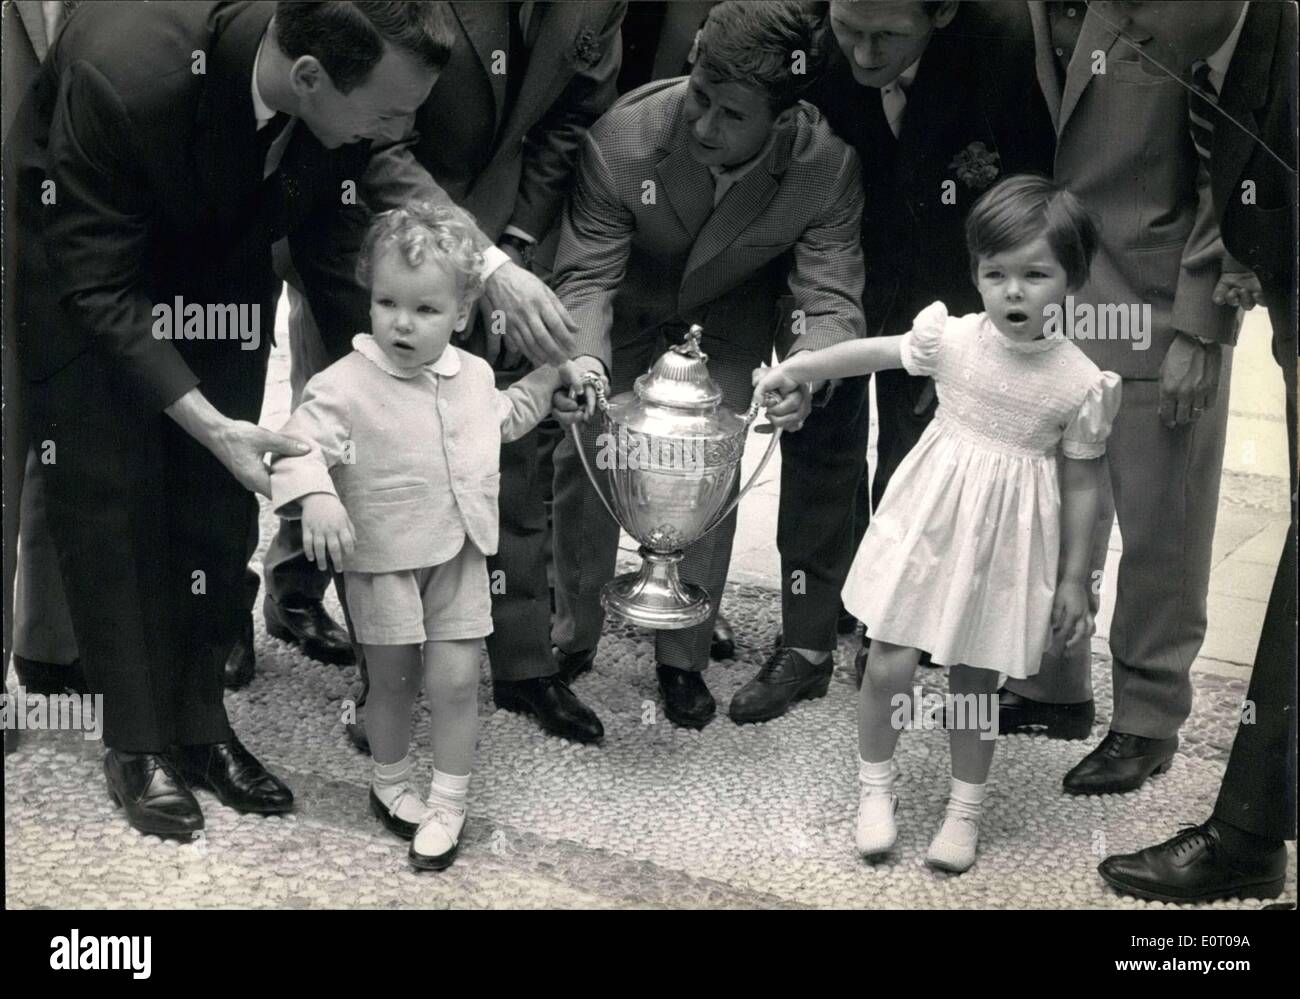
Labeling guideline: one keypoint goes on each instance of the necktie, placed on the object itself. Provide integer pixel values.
(893, 99)
(1200, 109)
(280, 186)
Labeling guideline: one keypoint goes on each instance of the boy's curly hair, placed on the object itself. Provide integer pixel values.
(421, 230)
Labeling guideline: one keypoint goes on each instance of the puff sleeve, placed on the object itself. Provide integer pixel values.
(920, 345)
(1085, 435)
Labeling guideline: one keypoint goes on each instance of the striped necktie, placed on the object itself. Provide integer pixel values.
(1201, 103)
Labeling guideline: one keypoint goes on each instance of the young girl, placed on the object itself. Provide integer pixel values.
(400, 492)
(961, 560)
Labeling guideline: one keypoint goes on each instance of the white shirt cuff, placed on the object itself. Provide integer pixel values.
(493, 257)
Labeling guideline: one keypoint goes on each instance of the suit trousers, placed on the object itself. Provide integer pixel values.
(1258, 792)
(586, 537)
(42, 625)
(1164, 492)
(519, 647)
(819, 525)
(153, 540)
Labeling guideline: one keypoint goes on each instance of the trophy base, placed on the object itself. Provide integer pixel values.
(655, 597)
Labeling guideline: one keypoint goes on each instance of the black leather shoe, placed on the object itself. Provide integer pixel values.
(50, 679)
(571, 665)
(687, 701)
(1194, 866)
(786, 677)
(556, 707)
(235, 776)
(723, 643)
(153, 794)
(1056, 721)
(311, 628)
(241, 663)
(1120, 763)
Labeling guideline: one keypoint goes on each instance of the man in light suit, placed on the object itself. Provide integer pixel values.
(695, 199)
(1124, 149)
(498, 136)
(1240, 60)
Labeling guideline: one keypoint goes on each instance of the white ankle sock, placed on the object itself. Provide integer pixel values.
(876, 776)
(450, 790)
(388, 779)
(966, 800)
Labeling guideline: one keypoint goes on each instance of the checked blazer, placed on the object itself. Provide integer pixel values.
(642, 245)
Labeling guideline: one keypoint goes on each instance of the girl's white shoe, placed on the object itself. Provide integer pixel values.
(876, 831)
(954, 845)
(437, 839)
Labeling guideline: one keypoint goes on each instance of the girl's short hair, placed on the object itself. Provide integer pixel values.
(1018, 210)
(424, 230)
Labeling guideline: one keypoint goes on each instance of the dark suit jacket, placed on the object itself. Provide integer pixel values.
(641, 243)
(975, 83)
(1259, 92)
(516, 168)
(157, 186)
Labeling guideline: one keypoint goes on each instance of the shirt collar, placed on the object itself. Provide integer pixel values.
(905, 78)
(261, 110)
(447, 365)
(1221, 58)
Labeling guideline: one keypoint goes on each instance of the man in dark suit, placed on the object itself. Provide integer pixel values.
(938, 100)
(161, 151)
(498, 135)
(746, 186)
(1240, 61)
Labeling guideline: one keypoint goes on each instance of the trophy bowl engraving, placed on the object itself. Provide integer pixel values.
(669, 459)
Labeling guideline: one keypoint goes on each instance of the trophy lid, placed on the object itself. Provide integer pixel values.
(680, 378)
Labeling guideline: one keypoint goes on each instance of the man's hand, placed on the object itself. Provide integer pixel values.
(1189, 380)
(1239, 288)
(775, 380)
(536, 323)
(326, 529)
(237, 444)
(1071, 616)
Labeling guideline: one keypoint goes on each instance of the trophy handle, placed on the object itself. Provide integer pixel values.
(595, 381)
(749, 417)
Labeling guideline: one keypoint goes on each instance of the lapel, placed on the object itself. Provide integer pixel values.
(34, 22)
(1044, 61)
(486, 27)
(685, 183)
(225, 152)
(551, 31)
(738, 209)
(1245, 90)
(1093, 36)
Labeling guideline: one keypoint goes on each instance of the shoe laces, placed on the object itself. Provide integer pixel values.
(1192, 838)
(774, 663)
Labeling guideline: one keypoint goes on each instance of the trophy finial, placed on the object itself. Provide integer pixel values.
(690, 347)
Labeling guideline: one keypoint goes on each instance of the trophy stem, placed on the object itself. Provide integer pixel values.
(654, 596)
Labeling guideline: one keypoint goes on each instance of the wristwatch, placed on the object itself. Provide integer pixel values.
(526, 250)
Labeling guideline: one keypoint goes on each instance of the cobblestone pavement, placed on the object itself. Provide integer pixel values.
(758, 816)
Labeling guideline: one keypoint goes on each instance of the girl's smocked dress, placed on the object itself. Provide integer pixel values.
(961, 558)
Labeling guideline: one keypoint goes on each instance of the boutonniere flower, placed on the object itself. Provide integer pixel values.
(585, 50)
(977, 166)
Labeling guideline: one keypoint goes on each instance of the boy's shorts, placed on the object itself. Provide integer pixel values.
(439, 603)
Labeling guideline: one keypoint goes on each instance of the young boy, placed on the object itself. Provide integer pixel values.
(400, 492)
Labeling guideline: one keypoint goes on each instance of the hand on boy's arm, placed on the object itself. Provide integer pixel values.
(326, 530)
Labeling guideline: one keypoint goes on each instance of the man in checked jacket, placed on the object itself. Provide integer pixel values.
(695, 199)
